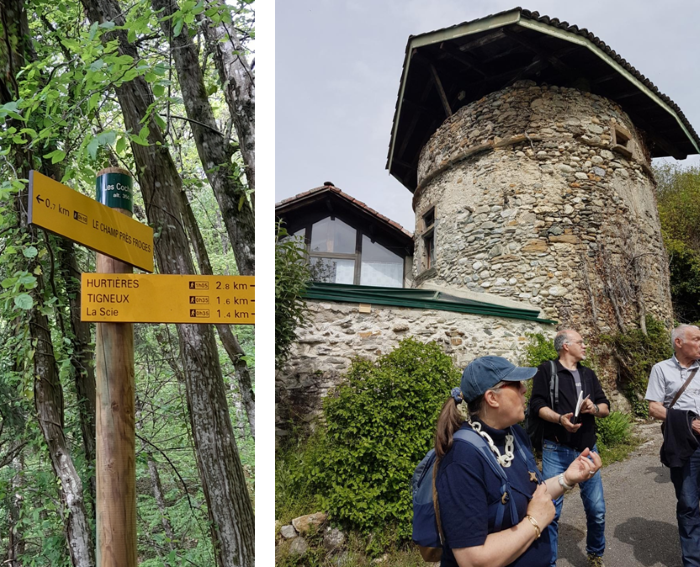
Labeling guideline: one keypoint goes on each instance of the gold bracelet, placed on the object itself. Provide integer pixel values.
(535, 525)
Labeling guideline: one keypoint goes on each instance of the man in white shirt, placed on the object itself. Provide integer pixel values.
(665, 380)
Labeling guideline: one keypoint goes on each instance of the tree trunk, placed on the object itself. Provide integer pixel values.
(215, 153)
(230, 510)
(48, 400)
(158, 495)
(239, 86)
(16, 545)
(48, 392)
(228, 339)
(82, 360)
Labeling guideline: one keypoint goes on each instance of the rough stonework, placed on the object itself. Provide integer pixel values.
(339, 333)
(541, 194)
(545, 194)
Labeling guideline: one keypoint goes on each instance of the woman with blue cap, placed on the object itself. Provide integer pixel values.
(492, 504)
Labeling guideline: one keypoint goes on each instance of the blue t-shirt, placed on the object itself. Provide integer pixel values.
(469, 495)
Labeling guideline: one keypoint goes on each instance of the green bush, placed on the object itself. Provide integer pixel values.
(295, 494)
(380, 424)
(291, 278)
(636, 353)
(538, 350)
(616, 429)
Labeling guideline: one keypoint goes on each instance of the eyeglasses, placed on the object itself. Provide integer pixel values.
(515, 385)
(575, 343)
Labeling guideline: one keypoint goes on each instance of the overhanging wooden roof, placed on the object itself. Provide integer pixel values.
(449, 68)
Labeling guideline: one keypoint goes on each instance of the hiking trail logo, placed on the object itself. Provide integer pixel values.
(199, 313)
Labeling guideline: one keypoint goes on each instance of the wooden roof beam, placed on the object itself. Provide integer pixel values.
(532, 46)
(464, 58)
(441, 90)
(495, 35)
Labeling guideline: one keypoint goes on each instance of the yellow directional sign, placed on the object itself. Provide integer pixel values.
(68, 213)
(155, 298)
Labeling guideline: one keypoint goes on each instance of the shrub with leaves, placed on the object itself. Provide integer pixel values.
(291, 278)
(636, 353)
(380, 424)
(678, 197)
(616, 429)
(538, 350)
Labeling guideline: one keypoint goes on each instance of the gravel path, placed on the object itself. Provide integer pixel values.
(640, 518)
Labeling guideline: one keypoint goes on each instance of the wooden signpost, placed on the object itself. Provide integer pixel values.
(115, 298)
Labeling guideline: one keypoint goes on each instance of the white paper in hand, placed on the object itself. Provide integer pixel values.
(579, 403)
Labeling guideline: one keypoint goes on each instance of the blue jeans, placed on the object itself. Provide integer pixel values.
(685, 480)
(555, 460)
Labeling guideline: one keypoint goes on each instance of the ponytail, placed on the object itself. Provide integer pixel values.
(450, 420)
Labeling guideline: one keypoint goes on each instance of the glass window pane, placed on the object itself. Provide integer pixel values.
(380, 266)
(332, 270)
(332, 236)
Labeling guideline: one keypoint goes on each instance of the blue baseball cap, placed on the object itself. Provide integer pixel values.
(485, 372)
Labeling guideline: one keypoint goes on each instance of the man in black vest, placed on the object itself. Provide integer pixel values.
(566, 435)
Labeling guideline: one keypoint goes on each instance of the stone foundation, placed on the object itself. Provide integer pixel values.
(339, 333)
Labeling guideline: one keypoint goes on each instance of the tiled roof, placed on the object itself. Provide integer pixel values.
(445, 35)
(340, 193)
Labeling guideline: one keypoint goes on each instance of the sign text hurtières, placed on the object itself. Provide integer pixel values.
(71, 214)
(159, 298)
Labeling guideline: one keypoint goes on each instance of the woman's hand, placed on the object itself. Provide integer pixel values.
(541, 506)
(583, 468)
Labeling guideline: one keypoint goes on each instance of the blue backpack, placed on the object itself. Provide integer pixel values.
(427, 530)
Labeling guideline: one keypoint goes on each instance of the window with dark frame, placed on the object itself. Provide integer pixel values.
(428, 237)
(340, 253)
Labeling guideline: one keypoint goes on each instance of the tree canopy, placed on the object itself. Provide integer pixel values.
(165, 91)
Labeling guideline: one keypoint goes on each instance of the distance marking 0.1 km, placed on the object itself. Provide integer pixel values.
(68, 213)
(157, 298)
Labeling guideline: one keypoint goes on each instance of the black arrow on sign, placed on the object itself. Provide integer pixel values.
(39, 199)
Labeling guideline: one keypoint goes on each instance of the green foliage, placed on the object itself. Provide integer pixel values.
(295, 465)
(291, 278)
(678, 197)
(615, 437)
(380, 424)
(355, 554)
(636, 353)
(616, 429)
(538, 350)
(66, 122)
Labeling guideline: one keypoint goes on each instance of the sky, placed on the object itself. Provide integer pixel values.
(338, 67)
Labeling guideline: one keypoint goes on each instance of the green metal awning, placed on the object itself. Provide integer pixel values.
(416, 299)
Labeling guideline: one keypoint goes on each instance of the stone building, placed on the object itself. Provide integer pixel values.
(526, 143)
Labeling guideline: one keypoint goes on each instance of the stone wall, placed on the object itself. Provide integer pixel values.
(339, 333)
(545, 195)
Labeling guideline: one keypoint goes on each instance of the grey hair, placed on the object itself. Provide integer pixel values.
(561, 339)
(679, 333)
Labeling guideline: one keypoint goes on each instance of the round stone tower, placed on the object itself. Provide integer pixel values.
(544, 194)
(527, 144)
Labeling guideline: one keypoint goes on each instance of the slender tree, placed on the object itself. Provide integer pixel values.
(48, 391)
(230, 509)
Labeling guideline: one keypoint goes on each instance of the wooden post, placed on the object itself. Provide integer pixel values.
(116, 460)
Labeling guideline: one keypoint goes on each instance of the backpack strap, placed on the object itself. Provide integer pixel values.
(436, 503)
(528, 457)
(554, 386)
(471, 436)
